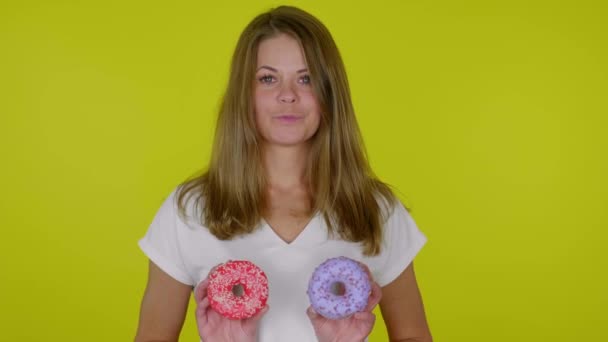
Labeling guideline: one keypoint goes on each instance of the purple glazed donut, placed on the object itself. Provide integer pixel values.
(338, 288)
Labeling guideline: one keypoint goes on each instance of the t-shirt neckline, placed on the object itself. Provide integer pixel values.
(309, 234)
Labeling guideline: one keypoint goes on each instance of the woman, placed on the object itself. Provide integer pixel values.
(287, 187)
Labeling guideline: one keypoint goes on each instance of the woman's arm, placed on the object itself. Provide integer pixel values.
(402, 309)
(163, 308)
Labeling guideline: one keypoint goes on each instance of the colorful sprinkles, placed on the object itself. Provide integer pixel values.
(351, 278)
(250, 277)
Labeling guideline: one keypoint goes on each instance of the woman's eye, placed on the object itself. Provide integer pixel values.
(305, 79)
(266, 79)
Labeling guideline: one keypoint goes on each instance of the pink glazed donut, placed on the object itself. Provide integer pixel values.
(237, 289)
(338, 288)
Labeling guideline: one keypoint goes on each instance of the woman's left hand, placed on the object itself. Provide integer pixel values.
(353, 328)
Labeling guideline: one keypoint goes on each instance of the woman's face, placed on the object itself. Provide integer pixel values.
(286, 110)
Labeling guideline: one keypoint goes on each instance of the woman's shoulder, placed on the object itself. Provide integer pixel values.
(389, 206)
(182, 204)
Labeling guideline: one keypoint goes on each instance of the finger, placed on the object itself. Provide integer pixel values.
(200, 291)
(363, 315)
(204, 304)
(310, 312)
(374, 297)
(258, 316)
(367, 318)
(202, 311)
(312, 315)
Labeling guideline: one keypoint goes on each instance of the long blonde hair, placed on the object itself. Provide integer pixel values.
(231, 192)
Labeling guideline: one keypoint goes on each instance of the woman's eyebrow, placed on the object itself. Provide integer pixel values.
(267, 67)
(275, 70)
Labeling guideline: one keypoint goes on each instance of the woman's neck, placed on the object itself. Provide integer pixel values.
(285, 166)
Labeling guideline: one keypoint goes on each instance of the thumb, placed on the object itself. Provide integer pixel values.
(312, 315)
(200, 291)
(315, 318)
(258, 316)
(368, 319)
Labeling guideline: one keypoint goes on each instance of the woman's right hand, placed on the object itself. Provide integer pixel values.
(213, 327)
(354, 328)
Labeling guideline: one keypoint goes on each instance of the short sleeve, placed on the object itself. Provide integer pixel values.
(401, 243)
(161, 243)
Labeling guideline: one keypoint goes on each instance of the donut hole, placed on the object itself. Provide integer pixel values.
(338, 288)
(238, 290)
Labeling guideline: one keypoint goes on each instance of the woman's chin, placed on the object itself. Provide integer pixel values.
(287, 142)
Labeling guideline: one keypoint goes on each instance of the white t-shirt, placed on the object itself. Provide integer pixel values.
(187, 251)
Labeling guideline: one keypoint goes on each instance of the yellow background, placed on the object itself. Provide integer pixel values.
(488, 116)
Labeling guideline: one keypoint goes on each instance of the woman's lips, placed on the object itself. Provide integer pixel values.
(288, 118)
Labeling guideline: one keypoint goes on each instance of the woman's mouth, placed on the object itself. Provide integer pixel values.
(288, 118)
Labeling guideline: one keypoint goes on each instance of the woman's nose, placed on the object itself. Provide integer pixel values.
(287, 95)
